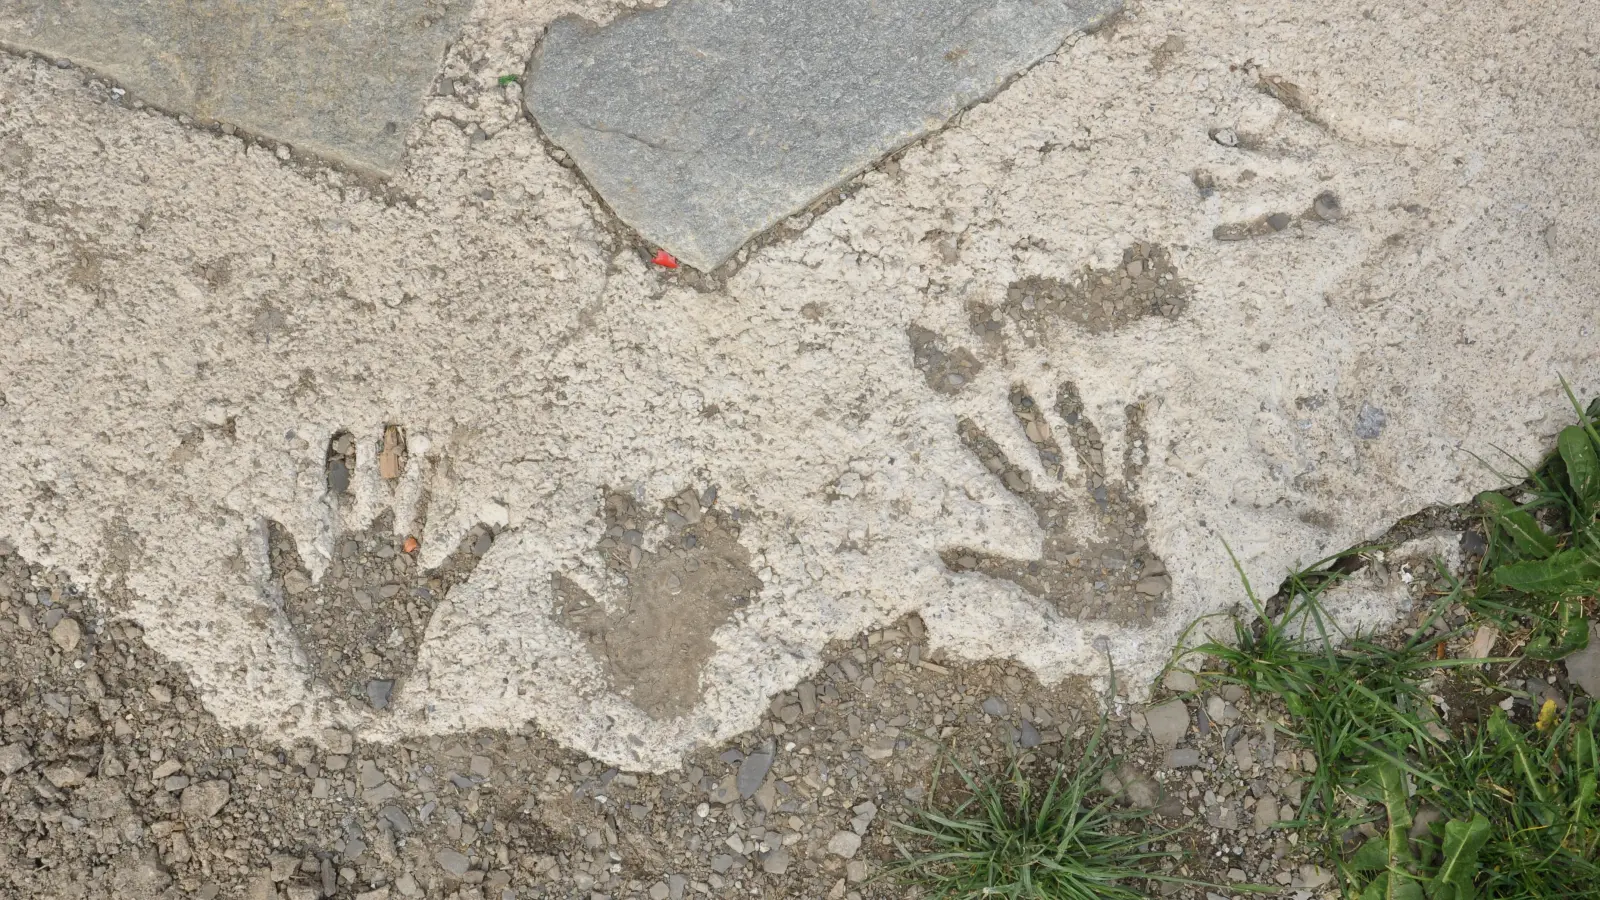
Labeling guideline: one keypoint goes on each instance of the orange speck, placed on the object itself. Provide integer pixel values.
(411, 545)
(665, 260)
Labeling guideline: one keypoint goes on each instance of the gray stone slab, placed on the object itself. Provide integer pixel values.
(705, 122)
(753, 769)
(342, 80)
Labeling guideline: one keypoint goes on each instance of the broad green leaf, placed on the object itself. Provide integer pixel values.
(1458, 868)
(1529, 538)
(1393, 886)
(1398, 806)
(1583, 465)
(1574, 627)
(1566, 570)
(1391, 856)
(1372, 856)
(1511, 740)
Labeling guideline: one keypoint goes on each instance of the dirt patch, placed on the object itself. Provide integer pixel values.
(676, 596)
(946, 370)
(109, 754)
(1096, 300)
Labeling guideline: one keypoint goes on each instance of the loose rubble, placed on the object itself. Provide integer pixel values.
(116, 782)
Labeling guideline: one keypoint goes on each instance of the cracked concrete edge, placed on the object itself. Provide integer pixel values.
(310, 159)
(192, 63)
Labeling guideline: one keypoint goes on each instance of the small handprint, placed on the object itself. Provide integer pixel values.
(655, 638)
(361, 627)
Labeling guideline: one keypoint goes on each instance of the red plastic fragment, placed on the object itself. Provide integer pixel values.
(665, 260)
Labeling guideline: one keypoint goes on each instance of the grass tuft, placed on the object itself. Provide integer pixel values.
(1028, 837)
(1502, 811)
(1505, 810)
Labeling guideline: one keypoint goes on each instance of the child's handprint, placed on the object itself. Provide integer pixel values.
(653, 632)
(361, 627)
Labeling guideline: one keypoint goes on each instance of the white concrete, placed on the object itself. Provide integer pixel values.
(151, 420)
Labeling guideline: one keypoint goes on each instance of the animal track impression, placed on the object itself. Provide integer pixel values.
(1095, 563)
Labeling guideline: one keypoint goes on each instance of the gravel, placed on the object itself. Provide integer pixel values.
(123, 745)
(1167, 723)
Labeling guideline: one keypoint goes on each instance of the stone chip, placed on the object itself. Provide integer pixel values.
(452, 861)
(845, 844)
(753, 769)
(13, 757)
(1168, 723)
(1583, 667)
(66, 634)
(205, 799)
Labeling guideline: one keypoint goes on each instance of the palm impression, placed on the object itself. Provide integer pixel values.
(1095, 562)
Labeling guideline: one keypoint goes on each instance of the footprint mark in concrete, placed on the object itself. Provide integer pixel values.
(361, 627)
(655, 638)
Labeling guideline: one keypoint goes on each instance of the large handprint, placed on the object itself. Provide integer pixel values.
(1095, 562)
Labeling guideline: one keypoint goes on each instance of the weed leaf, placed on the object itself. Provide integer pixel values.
(1583, 465)
(1566, 570)
(1526, 535)
(1459, 866)
(1511, 739)
(1393, 886)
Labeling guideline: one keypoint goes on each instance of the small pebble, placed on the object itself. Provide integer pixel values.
(845, 844)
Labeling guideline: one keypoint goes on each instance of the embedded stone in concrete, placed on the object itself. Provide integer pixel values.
(704, 123)
(342, 80)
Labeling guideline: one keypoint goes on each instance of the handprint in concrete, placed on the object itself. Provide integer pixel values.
(361, 627)
(655, 640)
(1095, 562)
